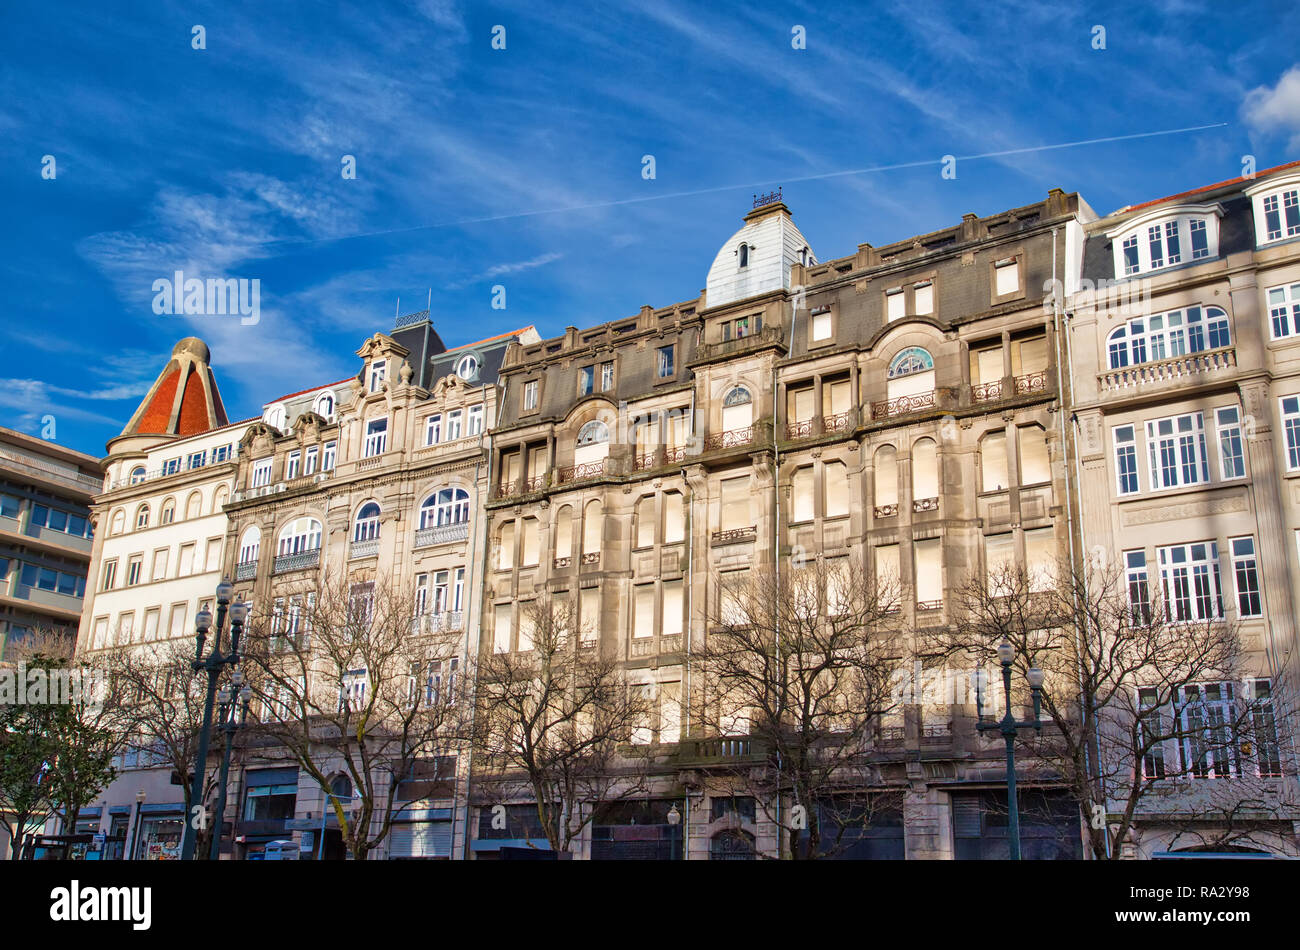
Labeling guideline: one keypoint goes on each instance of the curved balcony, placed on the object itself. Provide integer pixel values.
(296, 562)
(902, 405)
(442, 534)
(1160, 371)
(729, 439)
(576, 473)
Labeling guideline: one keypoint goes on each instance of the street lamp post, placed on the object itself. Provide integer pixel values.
(229, 724)
(213, 664)
(1010, 727)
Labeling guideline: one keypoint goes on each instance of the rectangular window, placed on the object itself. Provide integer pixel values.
(187, 561)
(475, 420)
(377, 369)
(923, 299)
(586, 380)
(151, 623)
(159, 565)
(1126, 462)
(1232, 462)
(125, 627)
(1284, 310)
(172, 466)
(1282, 215)
(1131, 254)
(889, 574)
(313, 455)
(262, 472)
(1176, 447)
(453, 425)
(665, 362)
(1208, 747)
(643, 622)
(929, 572)
(433, 429)
(291, 464)
(999, 561)
(376, 437)
(1171, 243)
(673, 603)
(327, 459)
(530, 395)
(1007, 275)
(735, 497)
(1153, 726)
(1263, 726)
(821, 326)
(895, 304)
(589, 614)
(197, 459)
(110, 575)
(1139, 591)
(1041, 558)
(1245, 573)
(674, 518)
(220, 454)
(1189, 578)
(133, 568)
(1291, 427)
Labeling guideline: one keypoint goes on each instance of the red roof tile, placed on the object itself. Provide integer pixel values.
(1205, 188)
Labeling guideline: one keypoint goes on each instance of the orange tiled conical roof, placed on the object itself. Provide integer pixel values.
(184, 399)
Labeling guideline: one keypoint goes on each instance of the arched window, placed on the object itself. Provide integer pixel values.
(731, 845)
(593, 433)
(301, 534)
(743, 254)
(467, 367)
(911, 360)
(593, 528)
(737, 409)
(1163, 336)
(250, 544)
(193, 505)
(142, 517)
(448, 506)
(340, 787)
(911, 374)
(275, 416)
(137, 475)
(367, 523)
(925, 472)
(118, 524)
(219, 498)
(886, 477)
(563, 542)
(168, 514)
(593, 443)
(325, 406)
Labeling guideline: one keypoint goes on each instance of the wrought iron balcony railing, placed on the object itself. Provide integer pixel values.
(732, 535)
(296, 562)
(245, 570)
(1031, 383)
(902, 405)
(986, 392)
(732, 438)
(575, 473)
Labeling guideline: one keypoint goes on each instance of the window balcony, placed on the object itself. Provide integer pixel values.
(505, 490)
(986, 392)
(732, 438)
(722, 751)
(576, 473)
(296, 562)
(821, 425)
(447, 621)
(442, 534)
(735, 535)
(1031, 383)
(667, 455)
(360, 549)
(246, 571)
(903, 405)
(1161, 371)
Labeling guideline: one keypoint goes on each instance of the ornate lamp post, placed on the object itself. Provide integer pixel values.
(213, 664)
(228, 724)
(1010, 727)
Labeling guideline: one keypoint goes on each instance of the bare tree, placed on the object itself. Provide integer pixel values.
(348, 682)
(805, 664)
(1143, 699)
(161, 700)
(554, 724)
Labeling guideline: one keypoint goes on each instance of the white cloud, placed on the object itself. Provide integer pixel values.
(1276, 111)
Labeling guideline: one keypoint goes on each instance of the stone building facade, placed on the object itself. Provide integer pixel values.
(1185, 356)
(899, 406)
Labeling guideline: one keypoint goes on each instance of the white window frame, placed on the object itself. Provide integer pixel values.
(1138, 230)
(1283, 302)
(433, 429)
(1190, 573)
(1245, 565)
(1177, 442)
(1230, 443)
(1126, 448)
(1289, 413)
(292, 462)
(1285, 191)
(1168, 335)
(530, 395)
(328, 456)
(474, 420)
(376, 439)
(262, 472)
(378, 370)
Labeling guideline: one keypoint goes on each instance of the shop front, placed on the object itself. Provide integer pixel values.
(158, 837)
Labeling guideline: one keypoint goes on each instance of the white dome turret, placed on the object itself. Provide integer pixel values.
(757, 258)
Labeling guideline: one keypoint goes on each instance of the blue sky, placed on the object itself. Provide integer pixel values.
(522, 167)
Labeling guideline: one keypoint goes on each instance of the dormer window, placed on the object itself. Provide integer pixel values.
(803, 256)
(377, 372)
(325, 406)
(1277, 209)
(1167, 238)
(275, 416)
(467, 368)
(744, 255)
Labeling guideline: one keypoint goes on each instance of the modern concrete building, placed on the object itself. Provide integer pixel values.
(1185, 358)
(45, 534)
